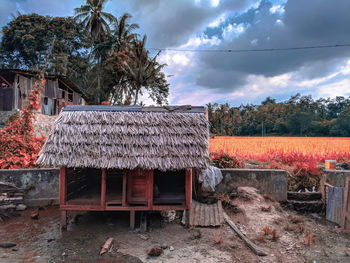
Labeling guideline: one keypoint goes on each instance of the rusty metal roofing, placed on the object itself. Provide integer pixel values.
(206, 214)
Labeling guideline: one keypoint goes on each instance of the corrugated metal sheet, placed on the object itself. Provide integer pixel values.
(334, 208)
(206, 214)
(186, 108)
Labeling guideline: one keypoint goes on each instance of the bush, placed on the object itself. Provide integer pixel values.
(224, 160)
(19, 146)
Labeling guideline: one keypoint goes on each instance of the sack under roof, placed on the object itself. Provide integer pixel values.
(164, 138)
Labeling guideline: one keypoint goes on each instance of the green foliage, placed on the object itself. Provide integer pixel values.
(298, 116)
(98, 51)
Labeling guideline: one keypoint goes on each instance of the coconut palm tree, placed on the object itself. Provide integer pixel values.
(143, 71)
(96, 21)
(120, 35)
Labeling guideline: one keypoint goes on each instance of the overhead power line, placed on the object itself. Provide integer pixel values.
(250, 50)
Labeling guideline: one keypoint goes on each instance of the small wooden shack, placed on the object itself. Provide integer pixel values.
(127, 158)
(16, 84)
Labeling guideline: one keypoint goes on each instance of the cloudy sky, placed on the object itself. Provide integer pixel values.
(247, 77)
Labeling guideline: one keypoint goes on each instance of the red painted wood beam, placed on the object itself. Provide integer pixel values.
(188, 188)
(103, 187)
(124, 203)
(63, 185)
(150, 189)
(121, 208)
(82, 207)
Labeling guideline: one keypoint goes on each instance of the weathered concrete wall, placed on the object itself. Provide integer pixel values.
(40, 185)
(336, 177)
(272, 182)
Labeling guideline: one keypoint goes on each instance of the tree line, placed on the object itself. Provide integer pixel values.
(97, 50)
(297, 116)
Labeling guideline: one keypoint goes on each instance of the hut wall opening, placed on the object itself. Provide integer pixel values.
(169, 187)
(83, 186)
(114, 187)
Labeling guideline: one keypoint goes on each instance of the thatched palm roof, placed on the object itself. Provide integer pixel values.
(128, 138)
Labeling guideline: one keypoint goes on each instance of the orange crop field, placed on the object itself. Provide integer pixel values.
(284, 149)
(301, 157)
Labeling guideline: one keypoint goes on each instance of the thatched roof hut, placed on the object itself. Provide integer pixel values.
(130, 137)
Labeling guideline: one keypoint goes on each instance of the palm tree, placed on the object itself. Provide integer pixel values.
(123, 31)
(121, 35)
(97, 23)
(142, 71)
(94, 19)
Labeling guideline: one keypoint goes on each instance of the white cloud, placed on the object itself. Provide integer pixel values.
(218, 21)
(345, 69)
(254, 41)
(232, 31)
(185, 94)
(195, 42)
(277, 9)
(279, 22)
(338, 88)
(214, 3)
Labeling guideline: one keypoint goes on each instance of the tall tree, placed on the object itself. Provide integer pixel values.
(97, 22)
(144, 72)
(27, 37)
(25, 41)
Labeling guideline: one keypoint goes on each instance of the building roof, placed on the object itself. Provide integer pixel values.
(9, 75)
(129, 137)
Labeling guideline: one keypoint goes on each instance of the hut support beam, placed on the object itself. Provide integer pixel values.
(63, 218)
(63, 185)
(124, 189)
(103, 187)
(63, 195)
(150, 189)
(132, 219)
(188, 194)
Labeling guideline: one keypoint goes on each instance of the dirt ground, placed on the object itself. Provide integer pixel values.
(43, 240)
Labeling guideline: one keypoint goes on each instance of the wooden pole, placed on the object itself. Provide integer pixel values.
(132, 219)
(257, 250)
(63, 195)
(124, 203)
(63, 185)
(103, 187)
(188, 196)
(150, 189)
(188, 188)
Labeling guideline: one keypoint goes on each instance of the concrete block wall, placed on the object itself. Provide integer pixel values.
(41, 186)
(268, 181)
(336, 177)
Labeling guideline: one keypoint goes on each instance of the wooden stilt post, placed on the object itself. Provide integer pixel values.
(150, 189)
(63, 218)
(188, 194)
(63, 185)
(63, 195)
(132, 219)
(124, 203)
(103, 187)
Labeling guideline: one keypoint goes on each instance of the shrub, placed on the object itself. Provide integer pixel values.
(224, 160)
(19, 146)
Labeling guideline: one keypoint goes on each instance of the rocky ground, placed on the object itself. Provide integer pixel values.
(284, 235)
